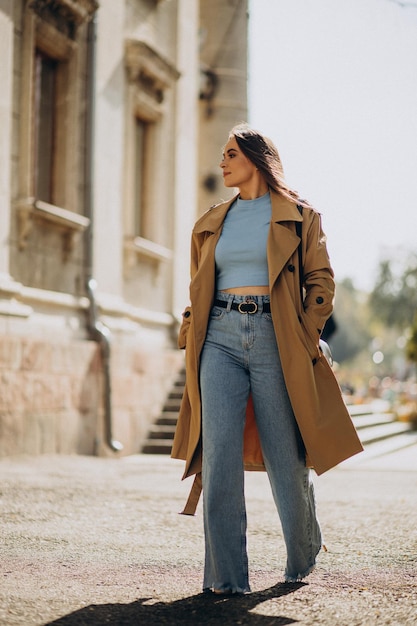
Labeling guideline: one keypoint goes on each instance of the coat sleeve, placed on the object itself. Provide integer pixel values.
(318, 274)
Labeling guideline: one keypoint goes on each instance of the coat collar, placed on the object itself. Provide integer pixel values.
(283, 210)
(214, 217)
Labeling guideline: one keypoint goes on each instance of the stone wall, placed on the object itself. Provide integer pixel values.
(51, 395)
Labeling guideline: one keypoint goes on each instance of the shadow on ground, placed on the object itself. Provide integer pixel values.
(191, 611)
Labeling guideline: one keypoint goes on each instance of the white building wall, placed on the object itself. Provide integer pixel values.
(108, 148)
(6, 104)
(186, 151)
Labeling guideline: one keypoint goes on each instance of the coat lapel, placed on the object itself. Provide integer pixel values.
(207, 231)
(282, 239)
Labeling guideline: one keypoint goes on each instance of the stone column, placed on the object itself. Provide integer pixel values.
(9, 288)
(108, 152)
(186, 157)
(6, 103)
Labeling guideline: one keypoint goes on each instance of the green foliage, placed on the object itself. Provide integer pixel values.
(394, 297)
(365, 347)
(411, 348)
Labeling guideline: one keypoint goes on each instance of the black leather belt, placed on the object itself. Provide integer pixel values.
(250, 306)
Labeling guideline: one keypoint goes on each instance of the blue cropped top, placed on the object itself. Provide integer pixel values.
(241, 250)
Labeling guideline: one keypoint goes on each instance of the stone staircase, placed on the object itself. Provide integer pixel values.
(378, 429)
(161, 435)
(374, 422)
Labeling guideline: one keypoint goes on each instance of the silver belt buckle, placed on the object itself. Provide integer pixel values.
(248, 303)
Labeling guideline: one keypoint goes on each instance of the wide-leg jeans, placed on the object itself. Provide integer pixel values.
(240, 357)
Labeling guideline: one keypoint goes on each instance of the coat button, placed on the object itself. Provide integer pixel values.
(187, 314)
(291, 268)
(319, 300)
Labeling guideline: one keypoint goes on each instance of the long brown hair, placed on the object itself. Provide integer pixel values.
(261, 151)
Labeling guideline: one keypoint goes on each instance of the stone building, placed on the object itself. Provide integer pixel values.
(112, 117)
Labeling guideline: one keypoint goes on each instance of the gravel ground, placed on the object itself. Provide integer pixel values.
(98, 541)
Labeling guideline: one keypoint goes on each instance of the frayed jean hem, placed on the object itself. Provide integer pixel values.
(298, 577)
(225, 590)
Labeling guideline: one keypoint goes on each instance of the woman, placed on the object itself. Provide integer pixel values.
(259, 393)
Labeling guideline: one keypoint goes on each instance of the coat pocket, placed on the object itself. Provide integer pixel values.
(312, 337)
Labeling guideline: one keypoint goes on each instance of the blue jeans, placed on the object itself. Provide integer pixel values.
(240, 356)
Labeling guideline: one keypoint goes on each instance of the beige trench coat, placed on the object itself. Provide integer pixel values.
(324, 422)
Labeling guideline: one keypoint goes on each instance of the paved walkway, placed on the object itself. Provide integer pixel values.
(98, 541)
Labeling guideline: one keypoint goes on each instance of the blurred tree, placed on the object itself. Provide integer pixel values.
(351, 316)
(411, 347)
(394, 298)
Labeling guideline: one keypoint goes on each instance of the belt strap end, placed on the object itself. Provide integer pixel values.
(194, 497)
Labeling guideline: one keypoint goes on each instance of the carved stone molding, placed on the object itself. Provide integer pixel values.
(148, 69)
(69, 222)
(154, 253)
(76, 11)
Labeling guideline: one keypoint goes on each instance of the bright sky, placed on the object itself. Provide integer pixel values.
(334, 84)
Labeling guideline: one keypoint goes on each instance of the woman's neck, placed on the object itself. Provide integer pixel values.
(253, 190)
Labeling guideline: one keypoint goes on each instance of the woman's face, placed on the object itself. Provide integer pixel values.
(238, 170)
